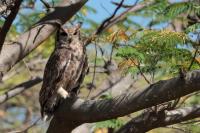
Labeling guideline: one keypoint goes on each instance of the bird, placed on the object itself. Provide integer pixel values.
(64, 72)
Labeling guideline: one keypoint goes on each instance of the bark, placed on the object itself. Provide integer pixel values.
(28, 41)
(19, 89)
(5, 6)
(151, 120)
(113, 84)
(8, 22)
(74, 112)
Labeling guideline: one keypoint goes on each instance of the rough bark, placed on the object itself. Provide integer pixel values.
(9, 21)
(151, 120)
(77, 111)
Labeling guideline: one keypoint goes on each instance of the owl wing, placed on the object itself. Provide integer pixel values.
(83, 71)
(52, 79)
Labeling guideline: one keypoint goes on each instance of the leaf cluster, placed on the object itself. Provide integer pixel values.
(154, 50)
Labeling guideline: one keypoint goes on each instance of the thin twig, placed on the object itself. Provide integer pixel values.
(125, 6)
(28, 127)
(19, 89)
(106, 21)
(138, 67)
(111, 53)
(196, 51)
(193, 59)
(116, 19)
(29, 71)
(105, 9)
(94, 72)
(177, 128)
(187, 97)
(190, 122)
(102, 53)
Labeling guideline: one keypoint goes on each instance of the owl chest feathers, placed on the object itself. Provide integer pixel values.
(71, 61)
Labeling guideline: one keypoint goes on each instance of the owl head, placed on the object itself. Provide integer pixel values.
(66, 35)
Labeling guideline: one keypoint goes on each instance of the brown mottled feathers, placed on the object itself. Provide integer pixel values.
(66, 68)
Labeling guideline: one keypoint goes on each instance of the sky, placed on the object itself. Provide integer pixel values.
(104, 8)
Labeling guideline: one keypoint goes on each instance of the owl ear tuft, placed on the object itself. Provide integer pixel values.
(63, 31)
(77, 28)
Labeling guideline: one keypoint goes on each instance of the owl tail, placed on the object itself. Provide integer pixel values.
(48, 109)
(46, 117)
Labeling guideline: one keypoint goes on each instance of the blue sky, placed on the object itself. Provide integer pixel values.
(104, 8)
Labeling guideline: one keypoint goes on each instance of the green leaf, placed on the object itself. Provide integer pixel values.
(113, 123)
(177, 8)
(129, 52)
(193, 28)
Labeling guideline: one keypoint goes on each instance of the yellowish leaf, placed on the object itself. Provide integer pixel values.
(122, 35)
(128, 63)
(197, 59)
(101, 130)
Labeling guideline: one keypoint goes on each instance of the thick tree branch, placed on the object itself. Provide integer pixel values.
(27, 42)
(8, 22)
(151, 120)
(5, 7)
(78, 111)
(19, 89)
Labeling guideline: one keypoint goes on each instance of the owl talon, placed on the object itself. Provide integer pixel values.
(63, 93)
(45, 118)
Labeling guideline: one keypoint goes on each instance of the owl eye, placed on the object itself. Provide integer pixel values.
(63, 34)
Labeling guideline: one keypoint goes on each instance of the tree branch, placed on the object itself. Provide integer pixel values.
(27, 42)
(107, 21)
(112, 20)
(151, 120)
(8, 22)
(5, 7)
(78, 111)
(115, 19)
(19, 89)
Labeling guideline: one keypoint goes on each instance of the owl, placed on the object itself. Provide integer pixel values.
(64, 71)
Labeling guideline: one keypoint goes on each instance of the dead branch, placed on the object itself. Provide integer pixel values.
(19, 89)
